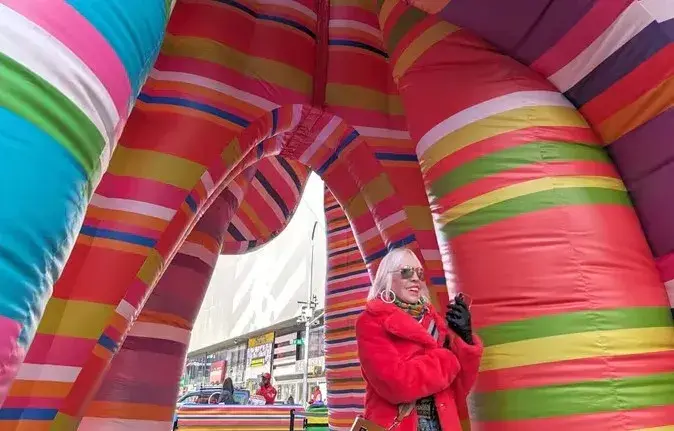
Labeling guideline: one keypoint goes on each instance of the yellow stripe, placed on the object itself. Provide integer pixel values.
(232, 153)
(274, 72)
(152, 268)
(252, 216)
(385, 11)
(526, 188)
(578, 346)
(430, 6)
(378, 189)
(420, 45)
(153, 165)
(664, 428)
(65, 317)
(419, 217)
(354, 96)
(504, 122)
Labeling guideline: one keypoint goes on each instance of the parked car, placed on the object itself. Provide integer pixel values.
(203, 395)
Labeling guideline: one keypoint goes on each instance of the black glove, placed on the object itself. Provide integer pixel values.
(458, 319)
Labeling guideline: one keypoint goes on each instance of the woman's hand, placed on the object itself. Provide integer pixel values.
(458, 319)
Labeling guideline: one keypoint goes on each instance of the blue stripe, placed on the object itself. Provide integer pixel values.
(348, 274)
(28, 414)
(346, 289)
(118, 236)
(346, 406)
(638, 50)
(274, 121)
(190, 203)
(438, 280)
(264, 17)
(347, 391)
(107, 342)
(335, 155)
(346, 250)
(176, 101)
(397, 157)
(291, 172)
(339, 229)
(342, 366)
(355, 44)
(235, 233)
(259, 150)
(340, 315)
(46, 194)
(340, 340)
(273, 193)
(134, 29)
(396, 244)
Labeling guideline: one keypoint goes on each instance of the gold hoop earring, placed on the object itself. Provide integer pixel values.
(387, 296)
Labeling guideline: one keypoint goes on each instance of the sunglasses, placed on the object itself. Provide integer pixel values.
(407, 272)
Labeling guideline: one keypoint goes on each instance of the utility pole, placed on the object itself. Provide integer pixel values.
(307, 315)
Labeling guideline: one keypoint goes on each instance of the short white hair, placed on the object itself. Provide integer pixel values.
(388, 265)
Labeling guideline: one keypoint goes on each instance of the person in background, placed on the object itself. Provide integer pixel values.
(266, 390)
(316, 396)
(291, 400)
(418, 365)
(227, 394)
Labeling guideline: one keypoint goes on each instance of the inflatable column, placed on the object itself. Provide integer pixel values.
(69, 73)
(140, 388)
(575, 321)
(346, 290)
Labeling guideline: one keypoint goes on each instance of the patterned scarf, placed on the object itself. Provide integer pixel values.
(417, 310)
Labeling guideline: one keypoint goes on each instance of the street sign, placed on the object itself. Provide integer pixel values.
(298, 342)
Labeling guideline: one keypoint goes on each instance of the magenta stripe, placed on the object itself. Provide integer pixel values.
(32, 403)
(11, 353)
(65, 24)
(140, 189)
(59, 349)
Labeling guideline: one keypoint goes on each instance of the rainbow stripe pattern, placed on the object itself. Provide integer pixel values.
(485, 137)
(196, 417)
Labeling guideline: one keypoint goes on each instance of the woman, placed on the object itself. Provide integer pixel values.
(409, 355)
(227, 395)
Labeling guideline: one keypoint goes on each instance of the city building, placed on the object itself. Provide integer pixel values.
(248, 322)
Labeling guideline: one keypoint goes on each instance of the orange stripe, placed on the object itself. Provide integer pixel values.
(119, 322)
(103, 409)
(25, 425)
(33, 388)
(140, 220)
(187, 112)
(634, 115)
(204, 239)
(111, 244)
(164, 318)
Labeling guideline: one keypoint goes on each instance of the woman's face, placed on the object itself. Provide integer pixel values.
(405, 281)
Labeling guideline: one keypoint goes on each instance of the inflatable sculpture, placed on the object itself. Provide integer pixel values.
(519, 147)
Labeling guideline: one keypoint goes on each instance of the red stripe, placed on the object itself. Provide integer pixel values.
(220, 73)
(508, 140)
(245, 34)
(574, 371)
(58, 350)
(666, 266)
(321, 60)
(88, 263)
(589, 28)
(451, 96)
(644, 78)
(637, 419)
(140, 189)
(525, 173)
(558, 260)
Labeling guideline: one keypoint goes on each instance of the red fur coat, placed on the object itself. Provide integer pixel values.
(402, 362)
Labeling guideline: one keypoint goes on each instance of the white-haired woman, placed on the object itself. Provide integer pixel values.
(410, 355)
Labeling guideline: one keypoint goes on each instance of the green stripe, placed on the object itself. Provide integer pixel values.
(534, 202)
(411, 17)
(512, 158)
(576, 322)
(578, 398)
(31, 97)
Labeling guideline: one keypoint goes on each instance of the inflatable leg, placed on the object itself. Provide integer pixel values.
(575, 321)
(139, 390)
(69, 72)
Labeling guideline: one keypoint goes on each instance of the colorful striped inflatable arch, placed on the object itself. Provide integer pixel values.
(519, 148)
